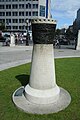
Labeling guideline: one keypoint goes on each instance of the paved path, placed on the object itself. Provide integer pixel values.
(14, 56)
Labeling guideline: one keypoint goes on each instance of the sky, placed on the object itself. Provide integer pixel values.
(64, 11)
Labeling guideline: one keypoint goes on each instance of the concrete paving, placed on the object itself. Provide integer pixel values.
(14, 56)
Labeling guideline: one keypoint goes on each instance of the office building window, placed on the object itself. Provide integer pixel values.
(2, 20)
(35, 13)
(15, 27)
(28, 0)
(42, 11)
(28, 6)
(2, 7)
(26, 13)
(14, 0)
(29, 13)
(35, 6)
(1, 0)
(14, 13)
(21, 0)
(35, 0)
(21, 6)
(8, 21)
(15, 20)
(14, 6)
(8, 0)
(21, 13)
(29, 20)
(21, 21)
(8, 13)
(8, 6)
(8, 27)
(21, 27)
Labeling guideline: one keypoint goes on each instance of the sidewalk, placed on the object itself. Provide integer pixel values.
(14, 56)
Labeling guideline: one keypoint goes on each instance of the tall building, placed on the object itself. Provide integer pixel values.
(78, 19)
(15, 12)
(76, 23)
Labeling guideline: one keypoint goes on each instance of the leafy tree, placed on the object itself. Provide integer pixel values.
(57, 32)
(69, 34)
(2, 26)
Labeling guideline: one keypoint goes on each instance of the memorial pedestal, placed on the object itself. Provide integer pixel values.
(42, 95)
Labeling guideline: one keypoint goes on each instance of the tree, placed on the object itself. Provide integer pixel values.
(57, 32)
(2, 26)
(70, 34)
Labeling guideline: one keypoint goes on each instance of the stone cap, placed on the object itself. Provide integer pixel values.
(47, 21)
(43, 31)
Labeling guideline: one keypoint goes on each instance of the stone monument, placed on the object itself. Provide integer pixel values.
(12, 40)
(78, 41)
(42, 95)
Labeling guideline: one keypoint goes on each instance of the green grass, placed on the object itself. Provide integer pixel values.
(68, 77)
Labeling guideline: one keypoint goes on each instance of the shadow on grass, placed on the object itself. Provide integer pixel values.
(24, 79)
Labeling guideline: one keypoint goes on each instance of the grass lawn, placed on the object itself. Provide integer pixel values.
(68, 77)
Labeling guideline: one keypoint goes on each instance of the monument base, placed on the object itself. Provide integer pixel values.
(22, 103)
(42, 96)
(12, 45)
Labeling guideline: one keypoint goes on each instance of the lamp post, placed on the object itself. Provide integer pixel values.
(27, 21)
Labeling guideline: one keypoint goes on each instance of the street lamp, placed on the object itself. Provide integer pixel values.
(27, 36)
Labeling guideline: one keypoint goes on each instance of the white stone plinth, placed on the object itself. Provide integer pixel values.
(12, 42)
(42, 87)
(42, 95)
(78, 41)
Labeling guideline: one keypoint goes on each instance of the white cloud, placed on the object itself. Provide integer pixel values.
(64, 8)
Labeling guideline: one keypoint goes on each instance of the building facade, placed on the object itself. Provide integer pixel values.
(13, 13)
(76, 23)
(78, 19)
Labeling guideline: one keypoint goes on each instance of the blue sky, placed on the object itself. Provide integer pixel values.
(64, 11)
